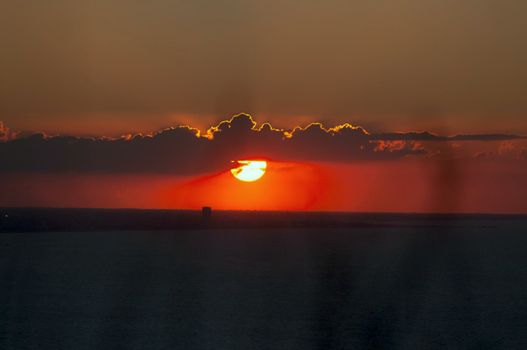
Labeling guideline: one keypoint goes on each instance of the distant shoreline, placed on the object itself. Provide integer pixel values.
(86, 219)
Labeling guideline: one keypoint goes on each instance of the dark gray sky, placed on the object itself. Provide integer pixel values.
(100, 67)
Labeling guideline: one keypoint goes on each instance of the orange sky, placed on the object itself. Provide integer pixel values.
(400, 186)
(110, 67)
(115, 80)
(345, 168)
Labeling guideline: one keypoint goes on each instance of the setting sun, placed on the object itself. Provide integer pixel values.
(249, 170)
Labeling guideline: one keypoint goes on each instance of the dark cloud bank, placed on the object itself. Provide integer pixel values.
(184, 151)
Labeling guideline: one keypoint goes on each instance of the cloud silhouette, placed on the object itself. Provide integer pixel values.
(427, 136)
(184, 150)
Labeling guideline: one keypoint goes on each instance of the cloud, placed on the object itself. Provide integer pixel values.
(5, 133)
(506, 150)
(512, 150)
(427, 136)
(185, 150)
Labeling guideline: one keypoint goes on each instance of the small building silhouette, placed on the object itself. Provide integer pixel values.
(206, 212)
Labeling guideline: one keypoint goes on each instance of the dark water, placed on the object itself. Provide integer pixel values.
(415, 287)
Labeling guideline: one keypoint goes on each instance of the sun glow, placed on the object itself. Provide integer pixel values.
(249, 170)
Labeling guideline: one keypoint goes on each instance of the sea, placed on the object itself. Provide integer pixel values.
(78, 279)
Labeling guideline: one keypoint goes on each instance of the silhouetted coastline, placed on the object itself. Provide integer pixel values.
(80, 219)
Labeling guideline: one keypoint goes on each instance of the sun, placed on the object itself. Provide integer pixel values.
(249, 170)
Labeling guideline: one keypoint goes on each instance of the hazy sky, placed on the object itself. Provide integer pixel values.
(100, 67)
